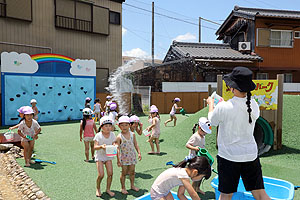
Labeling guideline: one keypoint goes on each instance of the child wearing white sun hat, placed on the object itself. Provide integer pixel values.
(196, 141)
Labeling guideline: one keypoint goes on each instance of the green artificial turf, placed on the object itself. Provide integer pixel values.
(72, 178)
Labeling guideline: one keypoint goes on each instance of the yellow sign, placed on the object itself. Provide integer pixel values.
(265, 93)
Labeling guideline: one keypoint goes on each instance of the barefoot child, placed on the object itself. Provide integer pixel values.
(127, 145)
(35, 109)
(21, 114)
(112, 114)
(198, 140)
(135, 124)
(180, 175)
(155, 127)
(28, 130)
(173, 111)
(88, 126)
(103, 138)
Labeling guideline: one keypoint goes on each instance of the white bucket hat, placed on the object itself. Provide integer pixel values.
(87, 111)
(205, 125)
(105, 120)
(33, 101)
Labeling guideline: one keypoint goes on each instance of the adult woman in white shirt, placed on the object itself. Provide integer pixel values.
(237, 149)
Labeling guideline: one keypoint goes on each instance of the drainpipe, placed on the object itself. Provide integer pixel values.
(26, 45)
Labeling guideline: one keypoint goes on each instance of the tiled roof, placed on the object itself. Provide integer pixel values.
(267, 12)
(210, 51)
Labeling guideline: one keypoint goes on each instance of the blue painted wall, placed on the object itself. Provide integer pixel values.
(58, 98)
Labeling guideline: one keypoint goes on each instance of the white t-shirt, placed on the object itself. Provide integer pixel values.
(173, 110)
(112, 115)
(169, 179)
(29, 131)
(97, 108)
(101, 153)
(235, 134)
(196, 140)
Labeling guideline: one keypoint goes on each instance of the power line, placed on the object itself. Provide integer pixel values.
(174, 18)
(195, 19)
(141, 37)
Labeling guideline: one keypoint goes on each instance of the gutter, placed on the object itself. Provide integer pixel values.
(26, 45)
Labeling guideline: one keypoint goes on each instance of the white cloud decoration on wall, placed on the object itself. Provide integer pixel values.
(83, 67)
(18, 63)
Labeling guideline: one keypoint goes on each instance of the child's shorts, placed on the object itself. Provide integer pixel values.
(156, 196)
(88, 139)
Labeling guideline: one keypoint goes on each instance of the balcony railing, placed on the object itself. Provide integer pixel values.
(2, 10)
(72, 23)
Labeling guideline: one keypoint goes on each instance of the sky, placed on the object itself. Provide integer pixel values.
(137, 25)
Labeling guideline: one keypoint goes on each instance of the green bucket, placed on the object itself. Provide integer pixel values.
(204, 152)
(182, 111)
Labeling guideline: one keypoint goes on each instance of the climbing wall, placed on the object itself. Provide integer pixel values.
(58, 83)
(59, 98)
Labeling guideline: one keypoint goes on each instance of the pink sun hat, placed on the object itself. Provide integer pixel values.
(134, 118)
(21, 109)
(28, 110)
(153, 109)
(124, 119)
(113, 106)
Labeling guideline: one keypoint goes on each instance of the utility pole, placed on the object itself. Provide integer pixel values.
(152, 34)
(199, 29)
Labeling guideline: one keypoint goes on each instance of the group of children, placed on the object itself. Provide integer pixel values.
(28, 129)
(194, 168)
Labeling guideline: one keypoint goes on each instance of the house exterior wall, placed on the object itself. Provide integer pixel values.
(44, 37)
(275, 57)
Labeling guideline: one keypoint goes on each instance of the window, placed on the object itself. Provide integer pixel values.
(72, 14)
(297, 35)
(16, 9)
(2, 8)
(288, 78)
(281, 38)
(114, 18)
(274, 38)
(262, 76)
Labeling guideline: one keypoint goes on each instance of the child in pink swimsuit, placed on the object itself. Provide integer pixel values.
(155, 127)
(88, 126)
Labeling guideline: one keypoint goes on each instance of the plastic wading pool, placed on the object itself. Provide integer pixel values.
(277, 189)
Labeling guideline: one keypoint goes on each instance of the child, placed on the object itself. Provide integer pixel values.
(28, 128)
(103, 138)
(87, 103)
(21, 114)
(180, 175)
(97, 109)
(112, 114)
(107, 104)
(198, 140)
(126, 142)
(155, 127)
(135, 124)
(35, 109)
(88, 126)
(173, 111)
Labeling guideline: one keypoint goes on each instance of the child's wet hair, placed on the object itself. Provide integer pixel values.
(199, 163)
(195, 128)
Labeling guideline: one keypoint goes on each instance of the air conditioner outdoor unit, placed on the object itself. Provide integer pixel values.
(244, 46)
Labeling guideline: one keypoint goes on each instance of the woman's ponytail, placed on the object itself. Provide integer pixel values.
(248, 102)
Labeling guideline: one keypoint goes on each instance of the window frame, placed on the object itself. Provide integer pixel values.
(295, 34)
(290, 76)
(277, 30)
(263, 73)
(113, 12)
